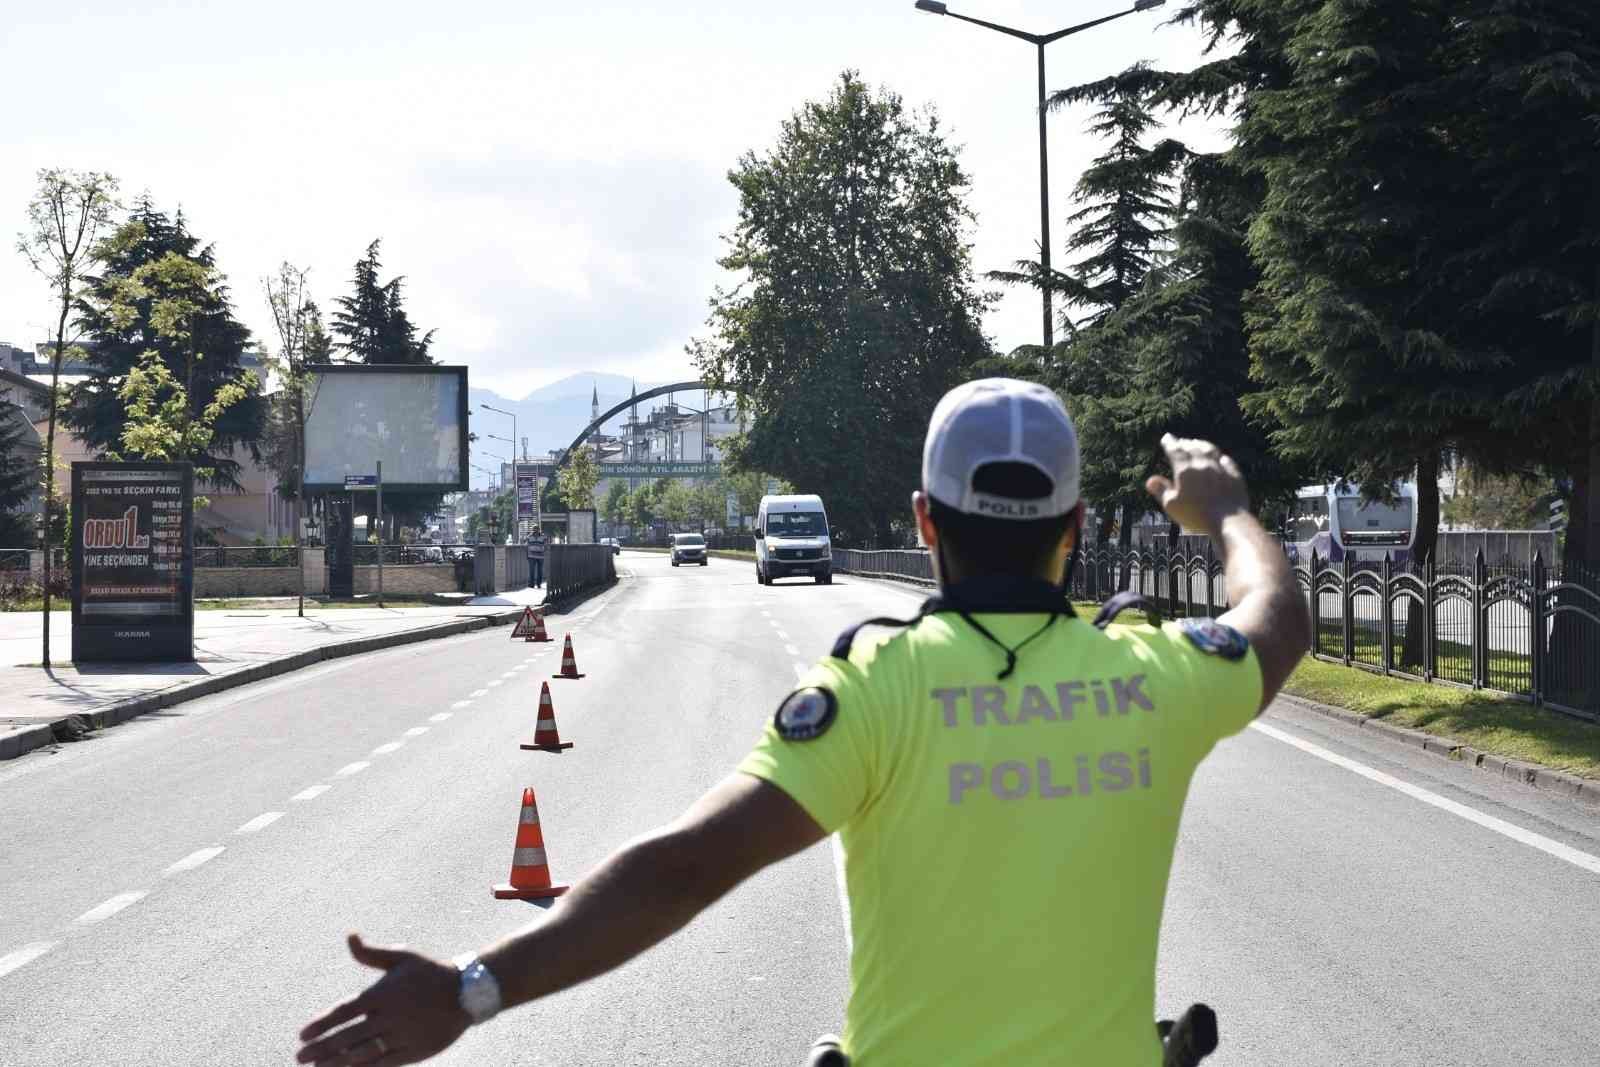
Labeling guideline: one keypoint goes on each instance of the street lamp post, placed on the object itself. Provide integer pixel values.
(1039, 40)
(513, 417)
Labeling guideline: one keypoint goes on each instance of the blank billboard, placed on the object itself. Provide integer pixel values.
(412, 418)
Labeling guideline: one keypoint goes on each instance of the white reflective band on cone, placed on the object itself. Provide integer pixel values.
(529, 814)
(527, 857)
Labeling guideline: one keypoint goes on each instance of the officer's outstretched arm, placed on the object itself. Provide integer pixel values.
(653, 886)
(1207, 494)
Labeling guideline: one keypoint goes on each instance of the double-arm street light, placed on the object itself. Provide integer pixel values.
(1039, 40)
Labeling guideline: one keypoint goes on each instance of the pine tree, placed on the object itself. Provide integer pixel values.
(116, 316)
(372, 324)
(1118, 232)
(19, 475)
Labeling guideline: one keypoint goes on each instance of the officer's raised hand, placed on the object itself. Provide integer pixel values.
(1206, 486)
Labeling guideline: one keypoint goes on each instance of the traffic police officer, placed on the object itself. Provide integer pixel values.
(1006, 780)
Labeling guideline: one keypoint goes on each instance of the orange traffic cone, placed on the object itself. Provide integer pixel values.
(545, 736)
(530, 872)
(569, 666)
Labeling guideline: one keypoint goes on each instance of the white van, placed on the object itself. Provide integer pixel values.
(792, 539)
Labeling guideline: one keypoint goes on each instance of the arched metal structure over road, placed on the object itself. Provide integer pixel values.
(606, 416)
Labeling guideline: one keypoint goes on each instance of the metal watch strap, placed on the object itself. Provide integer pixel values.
(479, 992)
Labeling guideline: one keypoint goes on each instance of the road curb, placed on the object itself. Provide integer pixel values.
(25, 741)
(1583, 790)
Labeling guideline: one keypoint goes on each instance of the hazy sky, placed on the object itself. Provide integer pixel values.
(551, 178)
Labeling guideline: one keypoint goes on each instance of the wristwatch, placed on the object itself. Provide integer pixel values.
(480, 992)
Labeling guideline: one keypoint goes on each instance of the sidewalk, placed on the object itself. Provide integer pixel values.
(232, 647)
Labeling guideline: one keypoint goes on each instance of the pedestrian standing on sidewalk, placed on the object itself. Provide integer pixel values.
(536, 556)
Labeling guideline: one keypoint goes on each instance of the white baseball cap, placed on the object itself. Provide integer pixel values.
(1001, 420)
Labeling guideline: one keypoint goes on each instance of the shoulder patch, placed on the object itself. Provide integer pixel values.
(806, 713)
(1215, 638)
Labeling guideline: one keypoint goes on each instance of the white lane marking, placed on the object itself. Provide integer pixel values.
(844, 891)
(475, 694)
(801, 670)
(458, 705)
(1488, 822)
(384, 750)
(781, 635)
(792, 650)
(441, 716)
(497, 681)
(195, 859)
(416, 731)
(351, 768)
(518, 667)
(110, 907)
(260, 822)
(24, 956)
(311, 792)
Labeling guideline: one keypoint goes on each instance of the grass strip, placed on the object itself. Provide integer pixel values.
(1488, 723)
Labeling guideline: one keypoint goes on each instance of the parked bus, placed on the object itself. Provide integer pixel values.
(1335, 522)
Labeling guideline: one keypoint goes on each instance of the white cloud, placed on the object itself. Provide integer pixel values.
(550, 178)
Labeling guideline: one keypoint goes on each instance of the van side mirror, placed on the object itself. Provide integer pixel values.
(759, 535)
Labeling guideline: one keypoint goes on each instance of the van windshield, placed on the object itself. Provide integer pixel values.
(796, 524)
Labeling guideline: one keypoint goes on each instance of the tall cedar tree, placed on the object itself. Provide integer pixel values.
(1191, 358)
(95, 408)
(20, 461)
(858, 307)
(1522, 257)
(1118, 231)
(371, 323)
(372, 327)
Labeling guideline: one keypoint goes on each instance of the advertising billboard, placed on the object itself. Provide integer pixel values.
(527, 494)
(412, 418)
(132, 562)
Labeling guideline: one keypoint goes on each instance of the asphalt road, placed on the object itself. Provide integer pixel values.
(1333, 913)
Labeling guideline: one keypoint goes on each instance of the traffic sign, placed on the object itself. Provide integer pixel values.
(360, 481)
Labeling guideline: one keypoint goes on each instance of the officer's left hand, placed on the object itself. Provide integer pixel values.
(408, 1015)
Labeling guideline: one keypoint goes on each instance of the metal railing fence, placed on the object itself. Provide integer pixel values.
(1527, 630)
(904, 564)
(571, 569)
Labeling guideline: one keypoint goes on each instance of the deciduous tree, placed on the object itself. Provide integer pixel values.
(65, 217)
(856, 306)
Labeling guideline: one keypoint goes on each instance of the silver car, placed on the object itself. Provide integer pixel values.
(688, 548)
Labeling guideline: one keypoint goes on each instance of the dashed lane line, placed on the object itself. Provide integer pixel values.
(24, 956)
(801, 670)
(392, 746)
(311, 792)
(1544, 844)
(416, 731)
(195, 859)
(458, 705)
(443, 715)
(791, 649)
(260, 822)
(476, 693)
(495, 682)
(351, 768)
(110, 907)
